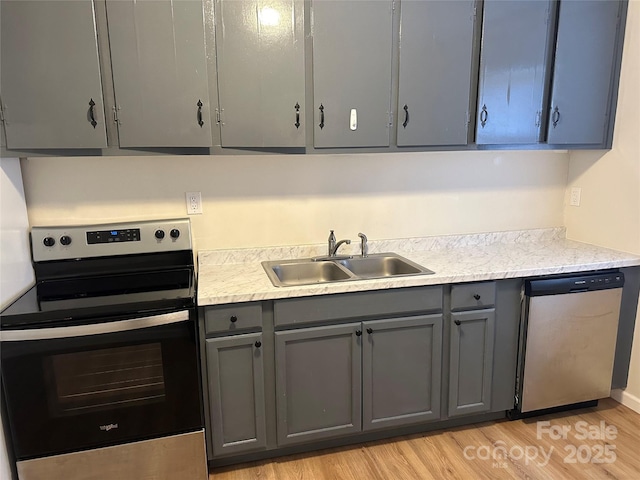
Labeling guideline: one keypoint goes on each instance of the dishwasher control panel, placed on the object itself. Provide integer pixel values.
(574, 283)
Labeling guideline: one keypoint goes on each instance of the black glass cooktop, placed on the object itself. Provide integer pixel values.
(88, 300)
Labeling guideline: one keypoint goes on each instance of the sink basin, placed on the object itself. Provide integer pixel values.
(287, 273)
(382, 265)
(304, 272)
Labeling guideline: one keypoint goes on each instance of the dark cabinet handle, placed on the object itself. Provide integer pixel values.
(406, 116)
(321, 116)
(92, 113)
(555, 117)
(233, 319)
(200, 121)
(358, 333)
(258, 344)
(369, 331)
(484, 115)
(476, 296)
(457, 322)
(297, 107)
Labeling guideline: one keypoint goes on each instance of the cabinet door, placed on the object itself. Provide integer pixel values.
(401, 364)
(159, 73)
(351, 72)
(471, 361)
(318, 383)
(260, 58)
(583, 71)
(436, 61)
(236, 393)
(50, 75)
(513, 66)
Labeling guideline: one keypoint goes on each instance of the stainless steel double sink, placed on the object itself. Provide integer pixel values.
(289, 273)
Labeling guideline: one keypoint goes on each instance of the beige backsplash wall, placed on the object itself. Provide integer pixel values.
(259, 200)
(609, 213)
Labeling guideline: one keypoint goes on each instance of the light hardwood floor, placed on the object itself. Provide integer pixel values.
(612, 452)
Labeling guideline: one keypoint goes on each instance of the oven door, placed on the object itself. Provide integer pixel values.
(78, 387)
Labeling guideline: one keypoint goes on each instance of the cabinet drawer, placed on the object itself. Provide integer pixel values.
(233, 317)
(472, 296)
(358, 305)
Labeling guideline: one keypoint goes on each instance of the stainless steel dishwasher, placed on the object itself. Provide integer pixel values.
(568, 340)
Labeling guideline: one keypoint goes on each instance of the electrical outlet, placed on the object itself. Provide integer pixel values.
(194, 203)
(574, 201)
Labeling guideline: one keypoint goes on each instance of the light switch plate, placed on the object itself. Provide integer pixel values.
(576, 192)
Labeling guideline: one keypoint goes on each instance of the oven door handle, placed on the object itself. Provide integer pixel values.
(94, 329)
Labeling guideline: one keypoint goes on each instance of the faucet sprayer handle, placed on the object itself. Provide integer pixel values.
(363, 244)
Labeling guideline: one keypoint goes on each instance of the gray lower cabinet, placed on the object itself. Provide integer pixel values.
(471, 361)
(318, 383)
(335, 380)
(516, 38)
(401, 365)
(436, 65)
(260, 63)
(159, 73)
(585, 49)
(236, 393)
(352, 45)
(391, 363)
(50, 77)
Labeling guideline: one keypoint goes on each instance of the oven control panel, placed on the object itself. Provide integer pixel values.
(85, 241)
(110, 236)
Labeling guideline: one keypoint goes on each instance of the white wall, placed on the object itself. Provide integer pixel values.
(16, 274)
(284, 200)
(609, 214)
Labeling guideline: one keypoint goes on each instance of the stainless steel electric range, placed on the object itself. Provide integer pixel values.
(100, 358)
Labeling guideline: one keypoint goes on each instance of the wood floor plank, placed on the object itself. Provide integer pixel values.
(474, 452)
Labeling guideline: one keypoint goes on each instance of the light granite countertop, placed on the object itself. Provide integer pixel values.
(230, 276)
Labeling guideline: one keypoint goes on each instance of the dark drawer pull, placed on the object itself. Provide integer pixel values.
(321, 116)
(484, 116)
(92, 116)
(200, 105)
(258, 344)
(555, 117)
(233, 319)
(358, 333)
(369, 331)
(476, 296)
(297, 107)
(457, 322)
(406, 116)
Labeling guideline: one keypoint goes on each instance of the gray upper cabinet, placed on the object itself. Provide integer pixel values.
(352, 44)
(401, 363)
(471, 361)
(261, 82)
(236, 393)
(436, 65)
(583, 72)
(318, 383)
(50, 76)
(159, 73)
(513, 71)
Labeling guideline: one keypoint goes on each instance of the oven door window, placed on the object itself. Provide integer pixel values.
(104, 379)
(64, 395)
